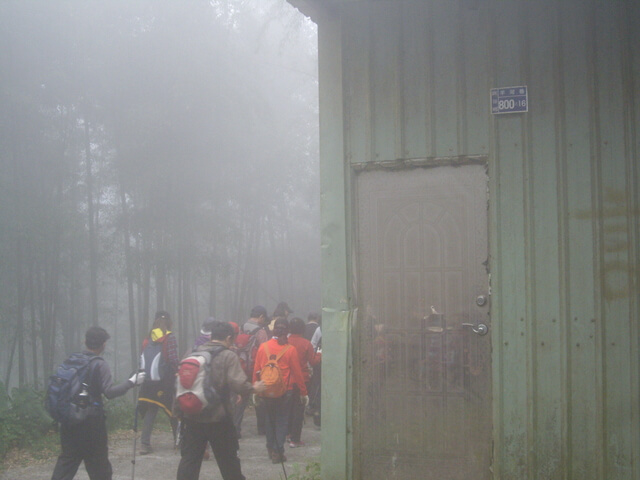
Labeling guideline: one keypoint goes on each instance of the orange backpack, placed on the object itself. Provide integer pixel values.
(272, 376)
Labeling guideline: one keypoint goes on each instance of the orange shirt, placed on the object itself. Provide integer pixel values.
(306, 354)
(289, 364)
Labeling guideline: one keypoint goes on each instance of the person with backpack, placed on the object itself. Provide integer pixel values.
(278, 366)
(253, 334)
(159, 359)
(79, 385)
(205, 333)
(203, 403)
(308, 359)
(313, 333)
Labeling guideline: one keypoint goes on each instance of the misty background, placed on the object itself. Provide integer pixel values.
(153, 155)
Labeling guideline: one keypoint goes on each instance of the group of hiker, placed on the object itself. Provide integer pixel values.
(272, 363)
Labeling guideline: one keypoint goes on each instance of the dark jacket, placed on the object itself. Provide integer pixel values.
(101, 382)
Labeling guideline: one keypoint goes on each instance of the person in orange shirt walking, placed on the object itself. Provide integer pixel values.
(308, 359)
(278, 405)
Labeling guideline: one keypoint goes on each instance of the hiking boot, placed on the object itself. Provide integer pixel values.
(278, 458)
(145, 449)
(293, 444)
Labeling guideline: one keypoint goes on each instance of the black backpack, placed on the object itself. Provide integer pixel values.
(153, 360)
(68, 400)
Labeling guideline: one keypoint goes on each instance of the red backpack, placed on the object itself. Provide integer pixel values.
(194, 390)
(246, 348)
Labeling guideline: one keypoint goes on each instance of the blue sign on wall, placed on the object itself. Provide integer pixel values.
(509, 100)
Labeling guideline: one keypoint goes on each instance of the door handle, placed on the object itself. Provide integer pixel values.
(481, 329)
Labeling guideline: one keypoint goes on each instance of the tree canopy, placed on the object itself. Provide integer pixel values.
(153, 155)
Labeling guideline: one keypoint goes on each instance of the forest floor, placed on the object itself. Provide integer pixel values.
(163, 462)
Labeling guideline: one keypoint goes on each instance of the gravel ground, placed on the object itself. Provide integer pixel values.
(163, 462)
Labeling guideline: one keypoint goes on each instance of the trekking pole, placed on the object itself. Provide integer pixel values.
(135, 434)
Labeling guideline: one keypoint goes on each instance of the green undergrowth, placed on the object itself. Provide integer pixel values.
(309, 471)
(29, 433)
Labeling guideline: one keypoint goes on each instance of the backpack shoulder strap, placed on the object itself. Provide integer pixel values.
(279, 356)
(251, 331)
(211, 352)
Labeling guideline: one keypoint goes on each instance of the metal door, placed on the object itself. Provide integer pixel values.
(422, 356)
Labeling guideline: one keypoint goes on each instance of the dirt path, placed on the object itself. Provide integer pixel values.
(162, 464)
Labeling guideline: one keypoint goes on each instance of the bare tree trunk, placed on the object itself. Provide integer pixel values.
(146, 297)
(212, 288)
(91, 222)
(195, 309)
(20, 314)
(277, 274)
(129, 268)
(180, 301)
(161, 276)
(34, 331)
(7, 378)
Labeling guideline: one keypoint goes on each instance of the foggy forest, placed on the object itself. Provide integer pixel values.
(153, 155)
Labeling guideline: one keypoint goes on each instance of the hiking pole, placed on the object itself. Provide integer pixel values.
(135, 433)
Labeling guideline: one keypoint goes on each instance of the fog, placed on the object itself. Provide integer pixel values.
(153, 155)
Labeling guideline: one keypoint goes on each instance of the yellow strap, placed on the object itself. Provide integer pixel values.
(266, 348)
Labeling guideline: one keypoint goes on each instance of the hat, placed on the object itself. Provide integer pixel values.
(282, 309)
(206, 326)
(258, 311)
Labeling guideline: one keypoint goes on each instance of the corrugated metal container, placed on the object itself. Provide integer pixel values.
(405, 84)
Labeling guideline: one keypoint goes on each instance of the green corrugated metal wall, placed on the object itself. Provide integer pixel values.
(410, 80)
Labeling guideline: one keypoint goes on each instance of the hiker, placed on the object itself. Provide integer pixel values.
(205, 333)
(308, 359)
(282, 310)
(277, 351)
(87, 441)
(313, 333)
(215, 425)
(253, 334)
(158, 389)
(201, 339)
(313, 323)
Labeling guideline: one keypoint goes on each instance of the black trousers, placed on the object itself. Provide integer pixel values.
(296, 417)
(86, 442)
(224, 443)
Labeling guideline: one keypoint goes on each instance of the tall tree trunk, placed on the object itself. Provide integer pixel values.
(277, 274)
(34, 330)
(146, 297)
(196, 311)
(7, 378)
(91, 222)
(180, 301)
(161, 275)
(20, 314)
(212, 286)
(129, 269)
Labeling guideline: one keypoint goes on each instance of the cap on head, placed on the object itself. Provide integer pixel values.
(282, 310)
(258, 311)
(206, 326)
